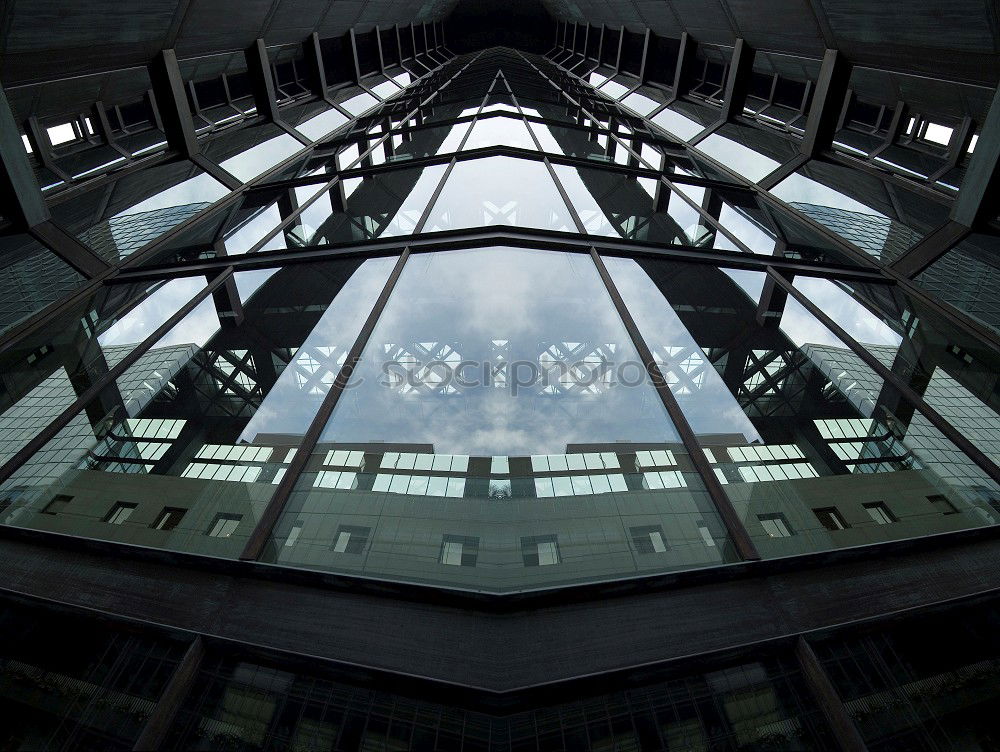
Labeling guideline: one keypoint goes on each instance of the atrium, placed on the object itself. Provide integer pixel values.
(540, 375)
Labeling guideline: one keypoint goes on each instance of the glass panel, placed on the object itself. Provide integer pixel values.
(759, 704)
(903, 696)
(742, 150)
(382, 205)
(500, 398)
(500, 191)
(359, 103)
(31, 277)
(955, 372)
(322, 124)
(207, 420)
(677, 124)
(880, 218)
(615, 204)
(137, 208)
(249, 152)
(640, 104)
(791, 420)
(499, 131)
(968, 277)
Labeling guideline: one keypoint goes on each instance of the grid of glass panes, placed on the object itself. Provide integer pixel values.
(433, 470)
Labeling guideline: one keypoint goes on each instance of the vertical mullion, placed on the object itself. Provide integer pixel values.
(723, 505)
(154, 733)
(825, 694)
(276, 505)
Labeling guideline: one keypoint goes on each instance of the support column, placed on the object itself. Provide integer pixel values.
(261, 81)
(844, 731)
(980, 189)
(172, 104)
(19, 190)
(738, 81)
(827, 104)
(158, 724)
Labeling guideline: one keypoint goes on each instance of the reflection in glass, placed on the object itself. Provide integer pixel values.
(793, 422)
(737, 156)
(499, 131)
(500, 191)
(184, 450)
(322, 124)
(260, 158)
(499, 398)
(677, 124)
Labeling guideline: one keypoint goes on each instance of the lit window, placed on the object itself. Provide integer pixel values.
(169, 518)
(293, 535)
(350, 539)
(119, 513)
(459, 551)
(61, 134)
(648, 539)
(775, 525)
(938, 134)
(941, 504)
(706, 534)
(540, 551)
(880, 513)
(831, 518)
(224, 525)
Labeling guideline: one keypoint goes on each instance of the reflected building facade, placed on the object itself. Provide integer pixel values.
(384, 391)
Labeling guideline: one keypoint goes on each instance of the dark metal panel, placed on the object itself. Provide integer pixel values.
(154, 733)
(979, 194)
(19, 190)
(816, 678)
(261, 81)
(172, 103)
(827, 103)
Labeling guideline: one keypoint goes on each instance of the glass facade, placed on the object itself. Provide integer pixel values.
(506, 338)
(496, 424)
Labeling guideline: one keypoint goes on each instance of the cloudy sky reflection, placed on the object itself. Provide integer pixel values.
(486, 306)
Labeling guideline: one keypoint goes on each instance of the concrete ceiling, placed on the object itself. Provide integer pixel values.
(99, 49)
(47, 39)
(956, 40)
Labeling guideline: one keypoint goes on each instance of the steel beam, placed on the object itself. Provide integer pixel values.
(261, 81)
(738, 81)
(70, 249)
(979, 194)
(154, 733)
(828, 101)
(818, 681)
(20, 193)
(172, 104)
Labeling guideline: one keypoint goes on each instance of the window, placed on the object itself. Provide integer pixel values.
(57, 505)
(459, 551)
(706, 534)
(775, 525)
(880, 513)
(119, 513)
(648, 539)
(293, 534)
(831, 518)
(350, 539)
(224, 525)
(169, 518)
(942, 504)
(540, 550)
